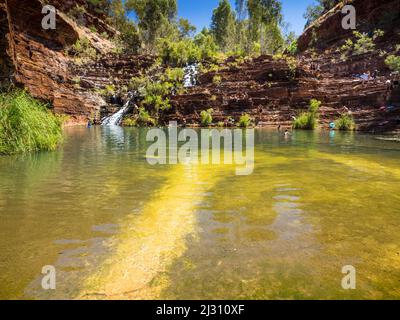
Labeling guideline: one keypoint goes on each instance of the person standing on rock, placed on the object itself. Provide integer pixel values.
(388, 85)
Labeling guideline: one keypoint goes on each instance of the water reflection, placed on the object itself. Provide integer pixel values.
(99, 213)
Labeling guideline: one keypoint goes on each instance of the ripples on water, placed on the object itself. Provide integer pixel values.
(116, 227)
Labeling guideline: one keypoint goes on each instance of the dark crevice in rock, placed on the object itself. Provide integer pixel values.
(6, 66)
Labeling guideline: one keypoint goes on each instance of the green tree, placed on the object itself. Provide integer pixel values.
(265, 17)
(153, 16)
(206, 44)
(186, 29)
(241, 9)
(316, 10)
(223, 25)
(263, 12)
(117, 13)
(129, 36)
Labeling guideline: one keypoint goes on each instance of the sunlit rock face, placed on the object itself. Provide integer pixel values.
(273, 94)
(270, 90)
(36, 58)
(370, 14)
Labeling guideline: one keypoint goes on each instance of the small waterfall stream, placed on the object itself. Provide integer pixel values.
(189, 80)
(190, 75)
(116, 118)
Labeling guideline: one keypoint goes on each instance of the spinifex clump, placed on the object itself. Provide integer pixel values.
(26, 124)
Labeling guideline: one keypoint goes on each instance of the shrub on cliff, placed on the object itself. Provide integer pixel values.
(393, 62)
(82, 51)
(292, 48)
(178, 53)
(364, 43)
(217, 80)
(144, 118)
(245, 121)
(26, 124)
(345, 123)
(153, 94)
(206, 117)
(308, 120)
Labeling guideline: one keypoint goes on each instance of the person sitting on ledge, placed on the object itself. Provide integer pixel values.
(365, 77)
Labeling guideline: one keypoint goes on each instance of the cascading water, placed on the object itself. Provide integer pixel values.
(116, 118)
(190, 75)
(189, 80)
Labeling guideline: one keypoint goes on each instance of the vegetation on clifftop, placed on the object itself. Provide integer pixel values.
(26, 124)
(393, 63)
(252, 27)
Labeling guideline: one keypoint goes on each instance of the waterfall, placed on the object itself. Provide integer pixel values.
(116, 118)
(189, 79)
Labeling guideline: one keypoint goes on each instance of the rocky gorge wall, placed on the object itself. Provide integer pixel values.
(327, 31)
(35, 58)
(271, 90)
(272, 94)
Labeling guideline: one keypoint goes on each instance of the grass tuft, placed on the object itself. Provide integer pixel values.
(308, 120)
(26, 125)
(345, 123)
(206, 117)
(245, 121)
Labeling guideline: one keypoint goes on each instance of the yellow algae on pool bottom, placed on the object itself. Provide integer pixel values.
(360, 164)
(149, 243)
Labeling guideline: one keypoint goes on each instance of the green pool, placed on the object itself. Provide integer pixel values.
(116, 227)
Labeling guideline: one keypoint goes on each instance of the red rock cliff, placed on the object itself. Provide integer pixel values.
(35, 58)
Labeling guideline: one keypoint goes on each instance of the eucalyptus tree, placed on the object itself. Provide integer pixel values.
(223, 26)
(186, 29)
(241, 9)
(265, 17)
(314, 11)
(153, 17)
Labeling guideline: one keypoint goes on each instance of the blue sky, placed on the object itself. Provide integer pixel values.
(199, 12)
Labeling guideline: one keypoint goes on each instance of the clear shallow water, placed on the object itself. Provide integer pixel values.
(116, 227)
